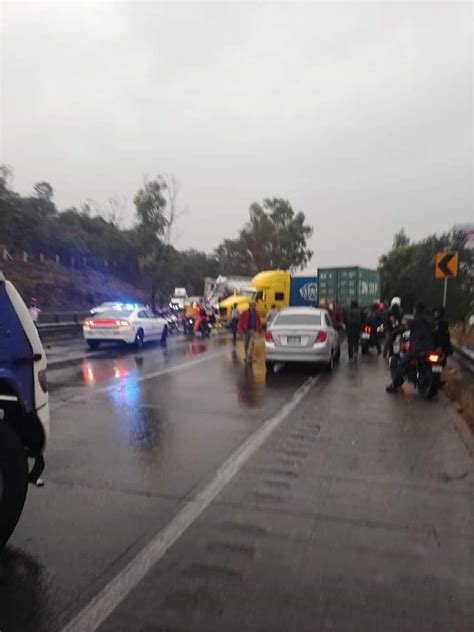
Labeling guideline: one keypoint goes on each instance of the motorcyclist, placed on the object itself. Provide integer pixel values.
(442, 337)
(421, 341)
(200, 318)
(374, 319)
(393, 318)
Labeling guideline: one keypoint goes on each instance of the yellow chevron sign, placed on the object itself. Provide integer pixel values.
(446, 265)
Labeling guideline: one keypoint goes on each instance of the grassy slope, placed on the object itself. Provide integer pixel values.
(59, 288)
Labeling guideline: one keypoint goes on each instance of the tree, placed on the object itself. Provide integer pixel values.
(400, 239)
(43, 191)
(156, 206)
(408, 272)
(274, 237)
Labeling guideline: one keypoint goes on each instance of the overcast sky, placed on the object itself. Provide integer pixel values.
(361, 114)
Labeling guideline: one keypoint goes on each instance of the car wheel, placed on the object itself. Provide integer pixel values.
(93, 344)
(139, 339)
(330, 364)
(269, 365)
(337, 357)
(13, 481)
(164, 334)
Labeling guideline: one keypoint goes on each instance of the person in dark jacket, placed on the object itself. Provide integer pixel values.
(421, 341)
(442, 336)
(353, 320)
(374, 319)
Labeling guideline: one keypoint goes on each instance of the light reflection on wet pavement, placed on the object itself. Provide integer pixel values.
(134, 435)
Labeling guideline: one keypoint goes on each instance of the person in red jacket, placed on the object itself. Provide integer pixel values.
(250, 324)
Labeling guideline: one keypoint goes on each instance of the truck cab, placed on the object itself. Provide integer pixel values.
(272, 287)
(269, 287)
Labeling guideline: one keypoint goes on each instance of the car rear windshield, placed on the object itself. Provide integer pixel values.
(298, 319)
(113, 314)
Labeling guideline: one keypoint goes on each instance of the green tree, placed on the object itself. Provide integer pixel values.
(43, 191)
(408, 271)
(274, 237)
(156, 207)
(400, 239)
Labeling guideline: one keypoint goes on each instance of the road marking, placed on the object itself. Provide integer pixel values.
(182, 366)
(106, 601)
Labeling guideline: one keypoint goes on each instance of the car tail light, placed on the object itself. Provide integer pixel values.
(321, 336)
(268, 336)
(367, 329)
(434, 357)
(122, 323)
(88, 323)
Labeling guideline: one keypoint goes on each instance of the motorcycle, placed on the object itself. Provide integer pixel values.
(24, 407)
(424, 371)
(205, 326)
(188, 326)
(367, 339)
(174, 326)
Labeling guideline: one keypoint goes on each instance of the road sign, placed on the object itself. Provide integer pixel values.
(446, 265)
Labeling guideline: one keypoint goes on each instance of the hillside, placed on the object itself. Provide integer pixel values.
(61, 288)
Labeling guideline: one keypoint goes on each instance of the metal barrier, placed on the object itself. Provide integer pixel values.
(52, 324)
(465, 357)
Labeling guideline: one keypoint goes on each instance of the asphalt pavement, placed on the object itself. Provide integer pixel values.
(187, 491)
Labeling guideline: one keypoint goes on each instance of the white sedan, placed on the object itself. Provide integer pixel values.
(302, 334)
(131, 326)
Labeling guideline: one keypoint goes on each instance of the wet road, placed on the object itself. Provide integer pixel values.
(296, 501)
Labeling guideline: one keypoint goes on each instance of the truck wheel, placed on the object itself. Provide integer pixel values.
(13, 481)
(93, 344)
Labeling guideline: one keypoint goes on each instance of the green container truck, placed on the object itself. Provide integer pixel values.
(337, 287)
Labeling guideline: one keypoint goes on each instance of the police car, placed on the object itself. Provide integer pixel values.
(125, 323)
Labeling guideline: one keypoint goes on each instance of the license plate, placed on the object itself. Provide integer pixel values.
(365, 336)
(436, 368)
(292, 340)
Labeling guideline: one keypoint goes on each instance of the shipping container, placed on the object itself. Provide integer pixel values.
(337, 287)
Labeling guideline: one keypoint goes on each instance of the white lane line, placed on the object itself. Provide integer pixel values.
(141, 378)
(104, 603)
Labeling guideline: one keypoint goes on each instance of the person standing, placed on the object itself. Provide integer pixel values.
(272, 313)
(34, 311)
(353, 325)
(234, 322)
(250, 324)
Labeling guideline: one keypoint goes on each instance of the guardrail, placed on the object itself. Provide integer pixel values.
(465, 357)
(63, 317)
(52, 324)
